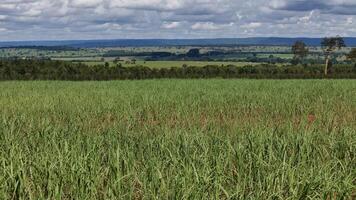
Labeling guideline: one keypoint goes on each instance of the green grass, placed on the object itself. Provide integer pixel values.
(168, 64)
(284, 56)
(18, 52)
(178, 139)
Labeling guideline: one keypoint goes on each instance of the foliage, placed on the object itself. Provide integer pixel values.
(43, 48)
(300, 50)
(57, 70)
(332, 43)
(193, 53)
(178, 139)
(329, 45)
(352, 54)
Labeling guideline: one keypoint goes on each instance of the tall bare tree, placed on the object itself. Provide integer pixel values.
(300, 50)
(329, 46)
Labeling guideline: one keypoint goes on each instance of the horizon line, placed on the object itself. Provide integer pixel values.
(213, 38)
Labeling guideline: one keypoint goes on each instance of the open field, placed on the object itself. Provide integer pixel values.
(178, 139)
(171, 56)
(98, 52)
(285, 56)
(168, 64)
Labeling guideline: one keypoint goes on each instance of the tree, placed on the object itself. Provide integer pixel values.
(193, 53)
(329, 46)
(117, 60)
(352, 55)
(299, 50)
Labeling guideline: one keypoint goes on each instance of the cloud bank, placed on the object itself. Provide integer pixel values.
(103, 19)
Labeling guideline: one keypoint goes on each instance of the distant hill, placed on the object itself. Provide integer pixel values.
(350, 41)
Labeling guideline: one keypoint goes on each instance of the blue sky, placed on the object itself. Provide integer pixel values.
(121, 19)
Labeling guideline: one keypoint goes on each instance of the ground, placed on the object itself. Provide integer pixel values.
(168, 64)
(178, 139)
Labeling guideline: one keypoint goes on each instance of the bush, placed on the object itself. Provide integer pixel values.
(59, 70)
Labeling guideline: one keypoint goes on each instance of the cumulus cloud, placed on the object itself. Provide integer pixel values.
(338, 7)
(86, 19)
(252, 25)
(205, 26)
(171, 25)
(86, 3)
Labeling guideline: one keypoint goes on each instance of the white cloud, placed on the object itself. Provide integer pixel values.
(2, 17)
(86, 3)
(210, 26)
(148, 4)
(171, 25)
(204, 26)
(252, 25)
(349, 20)
(278, 4)
(7, 6)
(85, 19)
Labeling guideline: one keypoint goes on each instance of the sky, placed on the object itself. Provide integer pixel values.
(174, 19)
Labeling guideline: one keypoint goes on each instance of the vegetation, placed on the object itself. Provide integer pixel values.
(43, 48)
(175, 139)
(281, 54)
(167, 64)
(300, 51)
(57, 70)
(330, 45)
(178, 139)
(352, 55)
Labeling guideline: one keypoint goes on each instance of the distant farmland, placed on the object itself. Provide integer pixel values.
(168, 64)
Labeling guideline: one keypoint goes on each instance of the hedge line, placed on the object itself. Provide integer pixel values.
(59, 70)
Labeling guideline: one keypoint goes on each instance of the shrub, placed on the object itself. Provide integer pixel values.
(59, 70)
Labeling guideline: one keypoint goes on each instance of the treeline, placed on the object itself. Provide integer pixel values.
(195, 55)
(119, 53)
(60, 70)
(44, 48)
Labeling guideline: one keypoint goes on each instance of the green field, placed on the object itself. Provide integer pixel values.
(88, 53)
(178, 139)
(168, 64)
(285, 56)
